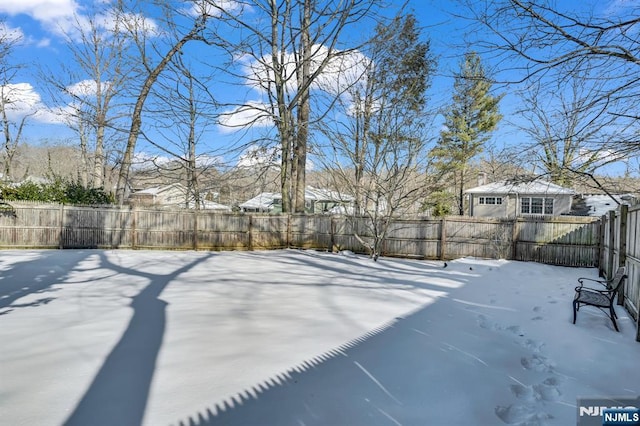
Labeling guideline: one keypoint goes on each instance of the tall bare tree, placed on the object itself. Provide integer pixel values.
(548, 42)
(290, 43)
(378, 138)
(94, 85)
(154, 57)
(567, 134)
(186, 110)
(14, 109)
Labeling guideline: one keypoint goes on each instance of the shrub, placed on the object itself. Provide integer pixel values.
(58, 191)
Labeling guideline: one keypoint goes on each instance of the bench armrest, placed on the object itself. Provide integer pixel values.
(601, 282)
(594, 290)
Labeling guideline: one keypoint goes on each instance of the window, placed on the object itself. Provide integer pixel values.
(490, 200)
(536, 205)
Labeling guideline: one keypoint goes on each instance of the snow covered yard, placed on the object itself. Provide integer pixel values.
(101, 337)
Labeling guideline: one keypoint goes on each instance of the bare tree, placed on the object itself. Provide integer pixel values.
(290, 45)
(547, 42)
(186, 109)
(378, 137)
(14, 111)
(154, 58)
(91, 85)
(567, 134)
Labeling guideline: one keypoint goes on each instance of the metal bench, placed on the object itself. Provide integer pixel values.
(600, 298)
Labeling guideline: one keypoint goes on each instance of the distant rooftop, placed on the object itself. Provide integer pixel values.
(527, 188)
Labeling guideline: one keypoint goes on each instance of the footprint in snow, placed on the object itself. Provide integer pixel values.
(537, 363)
(515, 329)
(524, 393)
(485, 323)
(534, 345)
(522, 415)
(548, 390)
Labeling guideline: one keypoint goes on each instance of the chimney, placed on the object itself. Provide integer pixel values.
(482, 178)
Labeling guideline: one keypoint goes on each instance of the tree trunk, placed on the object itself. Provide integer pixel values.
(303, 111)
(136, 118)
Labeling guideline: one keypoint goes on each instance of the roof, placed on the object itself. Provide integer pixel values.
(260, 201)
(159, 189)
(600, 204)
(319, 194)
(209, 205)
(265, 199)
(534, 187)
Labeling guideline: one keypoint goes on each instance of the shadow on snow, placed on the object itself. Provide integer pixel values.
(119, 392)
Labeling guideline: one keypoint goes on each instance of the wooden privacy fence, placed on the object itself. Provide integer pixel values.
(620, 244)
(571, 241)
(606, 242)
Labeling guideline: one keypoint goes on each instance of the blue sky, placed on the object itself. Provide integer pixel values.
(42, 24)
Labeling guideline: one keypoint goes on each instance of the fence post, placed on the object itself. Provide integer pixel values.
(289, 231)
(515, 232)
(332, 232)
(134, 221)
(622, 250)
(60, 239)
(601, 245)
(195, 228)
(250, 232)
(443, 238)
(612, 242)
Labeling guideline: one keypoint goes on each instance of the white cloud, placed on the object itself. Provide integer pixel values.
(10, 34)
(200, 8)
(251, 114)
(58, 115)
(148, 161)
(64, 17)
(86, 88)
(136, 23)
(21, 100)
(340, 77)
(41, 10)
(342, 71)
(45, 42)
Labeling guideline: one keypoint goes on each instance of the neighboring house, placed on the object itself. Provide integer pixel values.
(513, 199)
(172, 196)
(316, 201)
(261, 203)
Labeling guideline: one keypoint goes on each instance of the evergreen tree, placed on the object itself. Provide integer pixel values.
(469, 122)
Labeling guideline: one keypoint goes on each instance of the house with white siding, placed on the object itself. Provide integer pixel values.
(316, 200)
(519, 198)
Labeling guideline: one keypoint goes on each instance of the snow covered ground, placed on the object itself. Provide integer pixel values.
(99, 337)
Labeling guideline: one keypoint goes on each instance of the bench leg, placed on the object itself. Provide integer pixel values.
(575, 309)
(613, 318)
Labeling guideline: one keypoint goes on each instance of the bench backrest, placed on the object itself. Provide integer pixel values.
(618, 278)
